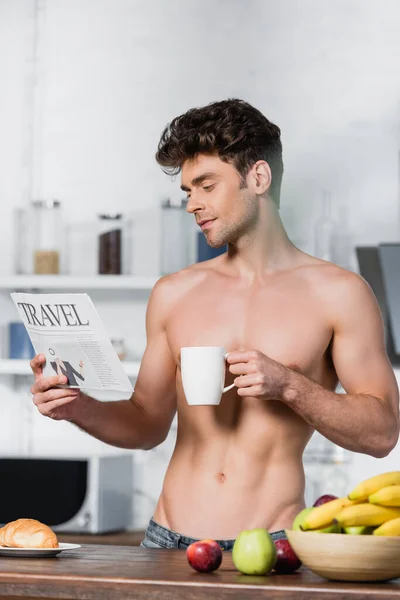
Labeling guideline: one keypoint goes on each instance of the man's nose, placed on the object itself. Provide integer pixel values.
(194, 204)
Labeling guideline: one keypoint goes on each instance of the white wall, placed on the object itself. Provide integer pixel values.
(112, 73)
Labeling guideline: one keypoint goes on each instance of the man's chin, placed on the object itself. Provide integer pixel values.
(215, 243)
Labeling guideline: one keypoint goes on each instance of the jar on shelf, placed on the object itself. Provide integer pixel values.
(110, 244)
(47, 227)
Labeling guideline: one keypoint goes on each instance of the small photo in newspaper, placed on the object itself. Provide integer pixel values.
(67, 358)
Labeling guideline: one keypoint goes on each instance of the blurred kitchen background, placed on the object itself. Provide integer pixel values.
(87, 87)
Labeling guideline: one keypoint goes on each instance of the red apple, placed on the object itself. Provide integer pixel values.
(323, 499)
(204, 556)
(288, 561)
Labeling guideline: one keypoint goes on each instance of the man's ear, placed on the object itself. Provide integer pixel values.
(261, 176)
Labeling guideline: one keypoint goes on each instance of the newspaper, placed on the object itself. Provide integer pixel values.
(67, 329)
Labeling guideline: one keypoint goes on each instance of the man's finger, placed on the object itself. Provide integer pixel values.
(249, 391)
(239, 356)
(36, 365)
(48, 407)
(246, 380)
(241, 368)
(54, 394)
(45, 383)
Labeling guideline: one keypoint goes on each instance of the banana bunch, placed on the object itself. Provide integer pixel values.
(373, 506)
(324, 515)
(373, 485)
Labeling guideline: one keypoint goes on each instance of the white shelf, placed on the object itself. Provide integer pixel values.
(70, 282)
(21, 367)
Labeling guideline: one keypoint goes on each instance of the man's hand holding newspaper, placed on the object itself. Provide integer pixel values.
(53, 402)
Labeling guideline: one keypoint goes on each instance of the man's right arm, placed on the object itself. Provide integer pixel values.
(141, 422)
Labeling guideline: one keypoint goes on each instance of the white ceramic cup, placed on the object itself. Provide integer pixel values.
(203, 374)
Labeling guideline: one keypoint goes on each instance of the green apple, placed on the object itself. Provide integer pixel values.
(358, 530)
(301, 517)
(254, 552)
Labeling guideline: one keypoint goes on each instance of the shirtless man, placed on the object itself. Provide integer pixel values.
(294, 326)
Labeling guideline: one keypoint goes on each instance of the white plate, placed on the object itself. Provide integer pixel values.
(37, 552)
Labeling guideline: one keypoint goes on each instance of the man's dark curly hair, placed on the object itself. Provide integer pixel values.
(236, 131)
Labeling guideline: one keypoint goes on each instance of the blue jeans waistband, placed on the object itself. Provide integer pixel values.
(158, 536)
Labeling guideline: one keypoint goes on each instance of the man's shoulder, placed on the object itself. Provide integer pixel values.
(176, 284)
(338, 287)
(342, 280)
(324, 272)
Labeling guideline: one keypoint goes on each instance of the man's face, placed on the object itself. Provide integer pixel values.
(223, 207)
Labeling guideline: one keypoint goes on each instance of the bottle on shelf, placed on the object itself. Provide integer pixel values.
(325, 228)
(119, 346)
(176, 236)
(342, 241)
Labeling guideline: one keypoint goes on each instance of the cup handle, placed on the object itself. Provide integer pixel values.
(228, 387)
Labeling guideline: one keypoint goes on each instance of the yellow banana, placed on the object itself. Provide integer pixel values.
(387, 496)
(373, 484)
(323, 515)
(391, 527)
(365, 514)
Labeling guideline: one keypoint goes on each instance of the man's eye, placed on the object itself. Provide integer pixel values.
(208, 188)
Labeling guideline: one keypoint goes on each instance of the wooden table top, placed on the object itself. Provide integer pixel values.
(119, 538)
(120, 572)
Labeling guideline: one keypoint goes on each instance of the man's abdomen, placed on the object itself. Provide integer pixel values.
(216, 490)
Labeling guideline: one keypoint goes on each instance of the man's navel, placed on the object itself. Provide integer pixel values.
(221, 477)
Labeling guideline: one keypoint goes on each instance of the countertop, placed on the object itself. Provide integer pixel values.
(96, 572)
(118, 538)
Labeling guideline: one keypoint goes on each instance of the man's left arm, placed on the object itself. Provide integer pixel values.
(366, 418)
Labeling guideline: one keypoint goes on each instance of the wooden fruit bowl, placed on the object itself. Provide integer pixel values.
(343, 557)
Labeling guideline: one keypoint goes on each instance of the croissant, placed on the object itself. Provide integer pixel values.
(27, 533)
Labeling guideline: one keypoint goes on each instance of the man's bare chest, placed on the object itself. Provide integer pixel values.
(288, 328)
